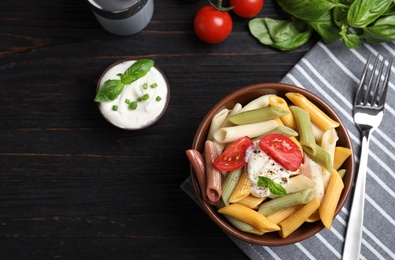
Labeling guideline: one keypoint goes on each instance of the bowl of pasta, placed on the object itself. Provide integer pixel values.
(272, 164)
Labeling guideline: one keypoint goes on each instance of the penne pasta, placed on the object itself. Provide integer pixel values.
(293, 199)
(323, 158)
(306, 135)
(315, 171)
(242, 189)
(251, 201)
(280, 215)
(213, 176)
(197, 162)
(341, 155)
(288, 120)
(229, 184)
(232, 133)
(299, 183)
(322, 120)
(249, 216)
(328, 143)
(217, 122)
(257, 115)
(294, 221)
(262, 101)
(331, 198)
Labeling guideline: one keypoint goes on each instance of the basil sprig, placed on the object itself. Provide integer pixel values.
(274, 187)
(112, 88)
(349, 20)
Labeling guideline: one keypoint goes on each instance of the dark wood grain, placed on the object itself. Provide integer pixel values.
(74, 187)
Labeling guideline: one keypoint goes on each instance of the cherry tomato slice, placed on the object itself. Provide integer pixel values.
(283, 150)
(234, 156)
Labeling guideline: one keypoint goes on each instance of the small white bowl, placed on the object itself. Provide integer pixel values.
(147, 112)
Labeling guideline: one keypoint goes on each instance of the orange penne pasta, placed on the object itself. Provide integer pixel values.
(341, 155)
(331, 199)
(318, 117)
(249, 216)
(242, 189)
(287, 120)
(295, 220)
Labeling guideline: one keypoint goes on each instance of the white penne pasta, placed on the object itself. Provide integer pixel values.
(315, 171)
(298, 183)
(317, 133)
(217, 122)
(232, 133)
(221, 146)
(328, 143)
(331, 199)
(260, 102)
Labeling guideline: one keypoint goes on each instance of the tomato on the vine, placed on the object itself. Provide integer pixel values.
(283, 150)
(212, 25)
(246, 8)
(234, 156)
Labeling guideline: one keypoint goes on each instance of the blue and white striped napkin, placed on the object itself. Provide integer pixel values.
(332, 72)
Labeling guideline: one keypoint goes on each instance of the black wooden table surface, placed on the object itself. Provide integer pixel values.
(74, 187)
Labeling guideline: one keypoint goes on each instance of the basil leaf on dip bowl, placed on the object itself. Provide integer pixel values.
(132, 94)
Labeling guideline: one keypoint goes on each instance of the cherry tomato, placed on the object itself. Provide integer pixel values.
(246, 8)
(212, 25)
(283, 150)
(234, 156)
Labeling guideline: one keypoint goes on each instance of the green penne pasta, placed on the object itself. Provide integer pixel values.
(305, 128)
(322, 157)
(257, 115)
(342, 172)
(292, 199)
(229, 184)
(285, 130)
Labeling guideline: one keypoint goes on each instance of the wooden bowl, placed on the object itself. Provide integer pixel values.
(243, 96)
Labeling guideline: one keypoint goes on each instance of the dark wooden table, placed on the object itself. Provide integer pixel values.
(74, 187)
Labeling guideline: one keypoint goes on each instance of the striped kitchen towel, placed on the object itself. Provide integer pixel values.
(332, 72)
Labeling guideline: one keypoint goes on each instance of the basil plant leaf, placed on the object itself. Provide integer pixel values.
(326, 27)
(382, 31)
(138, 70)
(364, 12)
(280, 34)
(109, 91)
(351, 41)
(308, 10)
(274, 187)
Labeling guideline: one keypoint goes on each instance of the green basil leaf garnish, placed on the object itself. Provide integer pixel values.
(274, 187)
(109, 91)
(112, 88)
(138, 70)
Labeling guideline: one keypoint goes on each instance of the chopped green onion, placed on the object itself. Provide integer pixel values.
(158, 98)
(145, 86)
(139, 99)
(154, 85)
(114, 107)
(145, 97)
(127, 101)
(133, 105)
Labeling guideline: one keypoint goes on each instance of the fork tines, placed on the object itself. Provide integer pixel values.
(373, 86)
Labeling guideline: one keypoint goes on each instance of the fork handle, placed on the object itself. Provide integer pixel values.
(352, 245)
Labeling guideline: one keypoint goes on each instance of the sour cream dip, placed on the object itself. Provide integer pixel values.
(150, 93)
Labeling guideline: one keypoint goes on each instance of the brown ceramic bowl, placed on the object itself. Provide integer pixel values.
(243, 96)
(163, 85)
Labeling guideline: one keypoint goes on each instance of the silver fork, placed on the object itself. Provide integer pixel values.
(368, 114)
